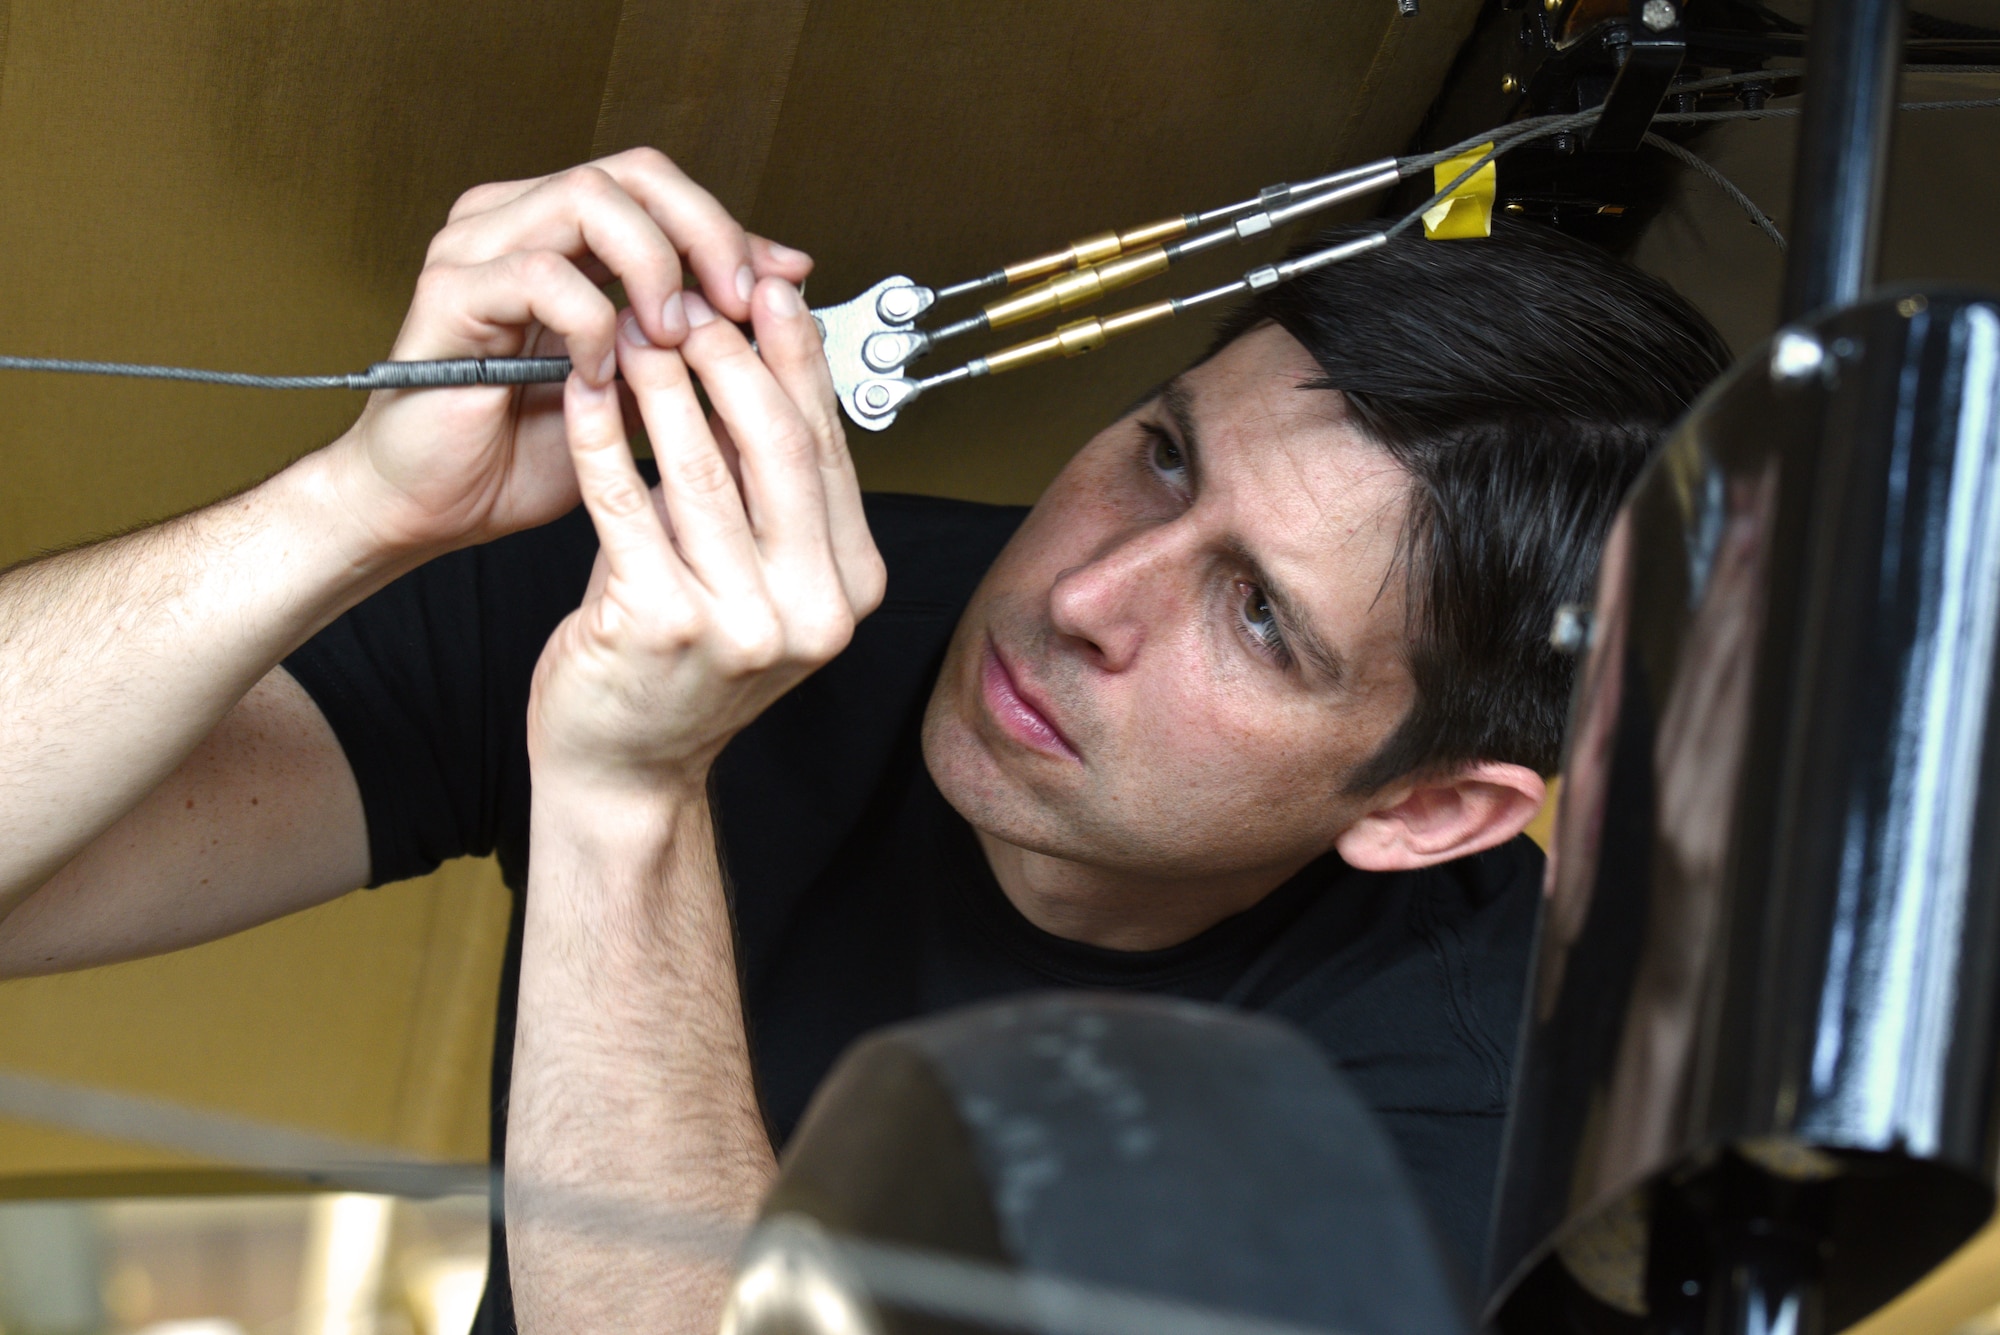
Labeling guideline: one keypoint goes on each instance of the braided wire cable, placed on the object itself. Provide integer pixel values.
(136, 370)
(1729, 187)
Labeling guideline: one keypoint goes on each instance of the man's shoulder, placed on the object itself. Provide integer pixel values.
(1425, 1014)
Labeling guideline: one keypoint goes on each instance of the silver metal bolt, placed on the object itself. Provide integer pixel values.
(1795, 356)
(876, 397)
(1659, 15)
(889, 349)
(898, 305)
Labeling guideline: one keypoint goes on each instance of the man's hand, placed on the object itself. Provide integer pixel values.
(715, 594)
(516, 272)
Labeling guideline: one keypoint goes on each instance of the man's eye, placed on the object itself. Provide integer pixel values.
(1165, 453)
(1260, 620)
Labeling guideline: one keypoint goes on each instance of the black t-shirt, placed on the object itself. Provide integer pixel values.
(861, 898)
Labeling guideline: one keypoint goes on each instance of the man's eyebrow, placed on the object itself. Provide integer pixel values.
(1174, 397)
(1300, 634)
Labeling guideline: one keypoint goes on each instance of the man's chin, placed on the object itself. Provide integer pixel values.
(980, 784)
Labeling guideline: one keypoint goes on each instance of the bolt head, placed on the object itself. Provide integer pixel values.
(876, 396)
(1659, 15)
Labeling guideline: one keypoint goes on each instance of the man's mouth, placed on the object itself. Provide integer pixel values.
(1018, 713)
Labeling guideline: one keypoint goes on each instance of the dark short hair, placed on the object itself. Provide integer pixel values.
(1522, 380)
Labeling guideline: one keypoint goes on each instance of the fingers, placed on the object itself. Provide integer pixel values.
(487, 309)
(594, 210)
(586, 215)
(788, 340)
(631, 539)
(772, 260)
(703, 504)
(778, 438)
(777, 405)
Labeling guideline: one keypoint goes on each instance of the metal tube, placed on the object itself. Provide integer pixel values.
(1852, 62)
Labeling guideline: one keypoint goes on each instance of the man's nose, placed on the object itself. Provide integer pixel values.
(1114, 602)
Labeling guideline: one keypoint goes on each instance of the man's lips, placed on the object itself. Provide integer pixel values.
(1017, 712)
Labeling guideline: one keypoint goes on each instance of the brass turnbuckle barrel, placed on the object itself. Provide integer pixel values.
(1073, 339)
(1070, 290)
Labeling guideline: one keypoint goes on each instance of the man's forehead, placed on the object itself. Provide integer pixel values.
(1292, 479)
(1257, 421)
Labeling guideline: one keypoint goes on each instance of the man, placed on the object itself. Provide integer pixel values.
(1251, 707)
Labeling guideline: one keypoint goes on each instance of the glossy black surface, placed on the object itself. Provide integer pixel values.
(1768, 982)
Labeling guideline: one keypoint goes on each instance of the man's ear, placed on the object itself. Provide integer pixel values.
(1451, 815)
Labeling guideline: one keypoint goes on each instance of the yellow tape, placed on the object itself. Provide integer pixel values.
(1468, 210)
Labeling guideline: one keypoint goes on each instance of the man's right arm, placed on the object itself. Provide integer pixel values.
(160, 782)
(132, 742)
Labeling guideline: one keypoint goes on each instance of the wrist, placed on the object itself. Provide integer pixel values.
(626, 821)
(358, 510)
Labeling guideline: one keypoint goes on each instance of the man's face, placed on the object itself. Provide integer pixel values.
(1194, 637)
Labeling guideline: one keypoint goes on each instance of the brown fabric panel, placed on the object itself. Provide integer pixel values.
(243, 185)
(703, 81)
(6, 14)
(1415, 55)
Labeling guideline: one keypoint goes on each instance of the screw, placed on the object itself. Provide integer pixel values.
(1659, 15)
(1564, 144)
(1753, 96)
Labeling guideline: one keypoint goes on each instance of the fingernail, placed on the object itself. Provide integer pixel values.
(786, 255)
(783, 299)
(674, 317)
(746, 282)
(609, 371)
(629, 330)
(586, 394)
(699, 312)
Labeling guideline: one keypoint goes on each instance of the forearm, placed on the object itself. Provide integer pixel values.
(118, 658)
(632, 1084)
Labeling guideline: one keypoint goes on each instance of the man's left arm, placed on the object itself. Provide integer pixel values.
(713, 594)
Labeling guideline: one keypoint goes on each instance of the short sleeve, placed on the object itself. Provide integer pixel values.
(425, 684)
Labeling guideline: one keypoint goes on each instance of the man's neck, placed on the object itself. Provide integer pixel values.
(1118, 910)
